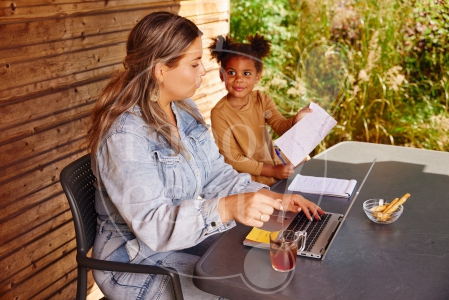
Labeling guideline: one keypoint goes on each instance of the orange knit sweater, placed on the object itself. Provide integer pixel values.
(242, 137)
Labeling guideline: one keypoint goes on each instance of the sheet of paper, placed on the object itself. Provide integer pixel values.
(323, 185)
(305, 135)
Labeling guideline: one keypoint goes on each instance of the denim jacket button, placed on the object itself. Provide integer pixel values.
(213, 224)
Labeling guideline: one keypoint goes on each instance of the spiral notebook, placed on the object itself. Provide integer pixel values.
(323, 186)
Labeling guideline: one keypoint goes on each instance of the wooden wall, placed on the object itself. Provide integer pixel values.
(55, 58)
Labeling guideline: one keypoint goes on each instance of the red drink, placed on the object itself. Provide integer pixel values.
(283, 255)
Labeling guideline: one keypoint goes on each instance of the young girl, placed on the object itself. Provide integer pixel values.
(238, 119)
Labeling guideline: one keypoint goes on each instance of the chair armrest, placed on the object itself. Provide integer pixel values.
(105, 265)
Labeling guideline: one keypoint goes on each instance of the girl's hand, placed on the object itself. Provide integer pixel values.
(302, 113)
(283, 171)
(277, 171)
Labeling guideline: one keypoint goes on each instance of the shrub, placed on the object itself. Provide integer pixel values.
(380, 67)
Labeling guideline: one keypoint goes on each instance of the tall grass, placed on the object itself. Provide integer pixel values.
(381, 67)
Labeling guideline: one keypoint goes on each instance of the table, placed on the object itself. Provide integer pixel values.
(408, 259)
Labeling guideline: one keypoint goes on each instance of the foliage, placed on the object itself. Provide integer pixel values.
(379, 66)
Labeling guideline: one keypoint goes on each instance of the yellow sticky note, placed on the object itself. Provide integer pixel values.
(258, 235)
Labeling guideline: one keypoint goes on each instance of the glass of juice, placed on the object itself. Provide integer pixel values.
(284, 246)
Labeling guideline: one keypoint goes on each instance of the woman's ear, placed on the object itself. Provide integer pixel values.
(159, 69)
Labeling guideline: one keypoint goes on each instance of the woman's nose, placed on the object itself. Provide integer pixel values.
(203, 70)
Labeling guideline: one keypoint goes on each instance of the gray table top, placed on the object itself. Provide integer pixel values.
(408, 259)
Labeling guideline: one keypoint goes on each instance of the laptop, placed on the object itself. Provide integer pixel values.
(320, 233)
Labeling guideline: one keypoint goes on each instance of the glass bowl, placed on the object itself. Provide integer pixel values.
(378, 217)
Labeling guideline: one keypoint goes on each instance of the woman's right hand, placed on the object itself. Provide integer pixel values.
(251, 209)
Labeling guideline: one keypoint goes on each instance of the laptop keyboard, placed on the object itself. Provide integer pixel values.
(313, 228)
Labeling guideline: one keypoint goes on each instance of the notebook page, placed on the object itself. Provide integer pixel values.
(323, 185)
(305, 135)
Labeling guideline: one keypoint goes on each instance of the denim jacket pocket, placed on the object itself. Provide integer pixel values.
(169, 168)
(198, 140)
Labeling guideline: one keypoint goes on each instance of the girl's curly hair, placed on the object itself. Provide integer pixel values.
(223, 48)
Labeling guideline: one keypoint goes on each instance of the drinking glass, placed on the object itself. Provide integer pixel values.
(284, 246)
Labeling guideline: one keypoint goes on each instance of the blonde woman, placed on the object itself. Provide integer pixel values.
(163, 187)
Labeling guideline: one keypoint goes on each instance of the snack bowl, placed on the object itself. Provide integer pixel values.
(381, 217)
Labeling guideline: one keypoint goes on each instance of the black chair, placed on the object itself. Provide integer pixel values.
(77, 181)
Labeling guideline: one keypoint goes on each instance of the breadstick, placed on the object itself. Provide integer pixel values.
(391, 204)
(396, 205)
(380, 215)
(379, 208)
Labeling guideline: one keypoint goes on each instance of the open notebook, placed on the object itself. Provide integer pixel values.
(320, 234)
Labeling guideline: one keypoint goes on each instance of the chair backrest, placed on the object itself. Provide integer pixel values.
(77, 181)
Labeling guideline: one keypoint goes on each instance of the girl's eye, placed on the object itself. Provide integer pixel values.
(247, 73)
(231, 73)
(195, 65)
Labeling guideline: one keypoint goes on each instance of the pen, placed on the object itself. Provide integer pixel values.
(280, 156)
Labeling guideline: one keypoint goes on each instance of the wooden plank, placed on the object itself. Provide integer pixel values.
(12, 94)
(30, 52)
(40, 30)
(202, 8)
(23, 73)
(35, 181)
(208, 98)
(14, 212)
(32, 255)
(39, 281)
(6, 3)
(49, 163)
(35, 233)
(45, 86)
(41, 264)
(32, 218)
(17, 11)
(68, 291)
(54, 108)
(26, 73)
(62, 291)
(51, 77)
(22, 130)
(70, 129)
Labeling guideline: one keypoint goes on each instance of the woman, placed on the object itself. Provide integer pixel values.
(162, 186)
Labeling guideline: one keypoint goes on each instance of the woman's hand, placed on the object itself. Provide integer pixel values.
(251, 209)
(278, 171)
(296, 203)
(302, 113)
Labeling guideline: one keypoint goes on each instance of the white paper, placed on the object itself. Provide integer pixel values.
(323, 186)
(305, 135)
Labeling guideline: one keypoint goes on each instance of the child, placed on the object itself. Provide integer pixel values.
(238, 119)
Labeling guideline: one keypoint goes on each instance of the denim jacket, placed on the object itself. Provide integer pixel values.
(168, 201)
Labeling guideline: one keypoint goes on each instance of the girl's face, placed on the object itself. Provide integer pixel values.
(182, 81)
(240, 77)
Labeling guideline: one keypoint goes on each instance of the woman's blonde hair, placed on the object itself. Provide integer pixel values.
(160, 37)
